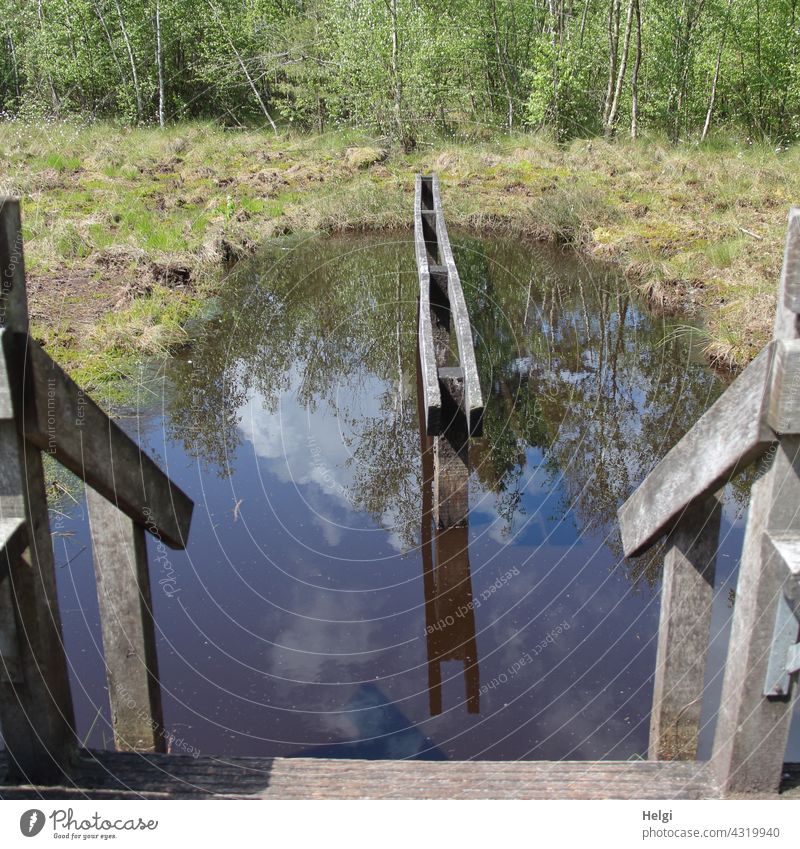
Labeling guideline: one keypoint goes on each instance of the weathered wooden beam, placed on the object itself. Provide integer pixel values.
(13, 296)
(117, 774)
(791, 264)
(36, 705)
(427, 356)
(752, 730)
(787, 548)
(687, 594)
(10, 672)
(13, 542)
(60, 418)
(126, 618)
(783, 406)
(730, 435)
(473, 398)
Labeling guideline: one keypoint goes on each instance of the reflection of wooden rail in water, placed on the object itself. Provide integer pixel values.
(444, 543)
(759, 414)
(442, 309)
(35, 700)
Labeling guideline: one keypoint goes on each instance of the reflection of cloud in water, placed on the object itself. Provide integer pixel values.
(303, 653)
(306, 447)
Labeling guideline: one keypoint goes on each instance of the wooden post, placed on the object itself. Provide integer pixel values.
(36, 708)
(687, 593)
(752, 730)
(126, 617)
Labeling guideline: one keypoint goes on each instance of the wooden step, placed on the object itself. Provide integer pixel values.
(122, 775)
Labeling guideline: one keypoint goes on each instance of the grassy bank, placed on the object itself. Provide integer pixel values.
(126, 230)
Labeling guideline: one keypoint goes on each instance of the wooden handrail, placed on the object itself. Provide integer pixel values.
(731, 434)
(762, 404)
(42, 409)
(35, 699)
(473, 399)
(57, 416)
(430, 382)
(440, 290)
(759, 406)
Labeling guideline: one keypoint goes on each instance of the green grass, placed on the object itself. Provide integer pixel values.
(674, 217)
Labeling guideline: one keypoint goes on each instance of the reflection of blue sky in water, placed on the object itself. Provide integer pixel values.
(308, 448)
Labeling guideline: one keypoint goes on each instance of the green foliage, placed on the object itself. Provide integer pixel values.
(409, 69)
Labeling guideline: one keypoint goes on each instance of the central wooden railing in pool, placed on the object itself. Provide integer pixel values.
(756, 420)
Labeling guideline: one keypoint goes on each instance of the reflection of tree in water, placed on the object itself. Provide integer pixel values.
(576, 376)
(574, 368)
(322, 317)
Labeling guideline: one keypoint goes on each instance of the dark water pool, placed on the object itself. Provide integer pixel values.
(300, 621)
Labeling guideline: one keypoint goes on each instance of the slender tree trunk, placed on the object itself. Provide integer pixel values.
(53, 96)
(13, 53)
(635, 74)
(397, 82)
(692, 15)
(717, 64)
(760, 73)
(501, 66)
(583, 22)
(555, 43)
(159, 66)
(99, 12)
(623, 66)
(792, 54)
(129, 48)
(613, 44)
(244, 68)
(70, 31)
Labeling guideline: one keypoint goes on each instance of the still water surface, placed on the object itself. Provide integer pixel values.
(313, 609)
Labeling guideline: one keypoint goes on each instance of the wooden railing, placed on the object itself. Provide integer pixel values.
(441, 305)
(756, 419)
(449, 410)
(42, 409)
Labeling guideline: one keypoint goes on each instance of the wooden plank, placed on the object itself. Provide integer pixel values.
(10, 671)
(783, 407)
(752, 730)
(126, 618)
(35, 707)
(729, 436)
(473, 398)
(60, 418)
(13, 296)
(113, 775)
(787, 548)
(13, 542)
(430, 382)
(791, 264)
(687, 594)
